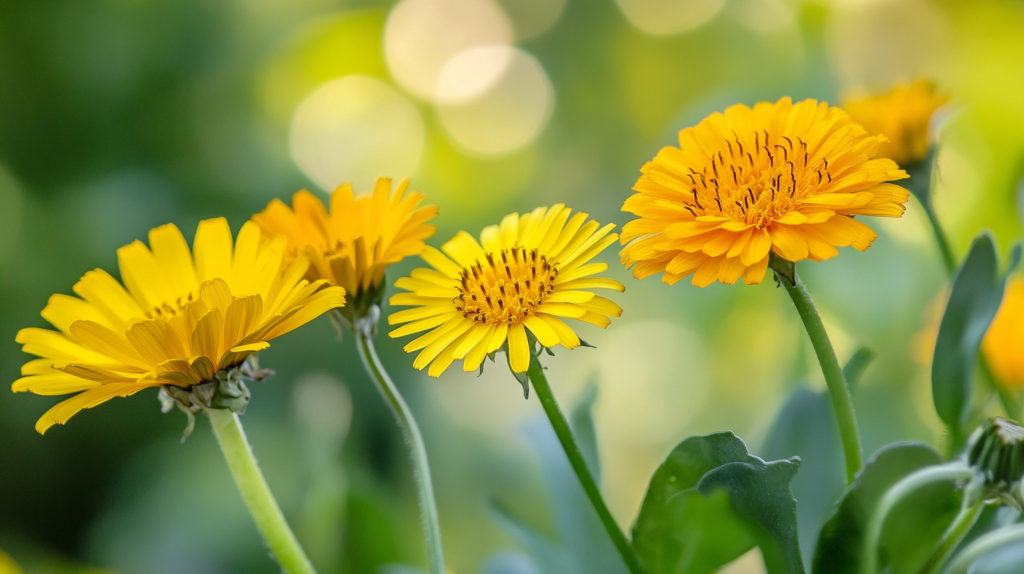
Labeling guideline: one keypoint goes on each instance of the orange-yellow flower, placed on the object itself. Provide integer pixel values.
(903, 115)
(178, 319)
(528, 273)
(354, 243)
(784, 178)
(1003, 345)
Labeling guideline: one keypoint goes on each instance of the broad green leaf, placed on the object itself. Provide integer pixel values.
(975, 297)
(686, 525)
(913, 527)
(921, 178)
(760, 491)
(546, 554)
(582, 422)
(805, 427)
(508, 562)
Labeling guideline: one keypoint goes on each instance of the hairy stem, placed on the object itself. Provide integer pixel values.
(256, 494)
(414, 442)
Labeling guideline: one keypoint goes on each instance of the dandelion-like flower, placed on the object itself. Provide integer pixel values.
(903, 115)
(177, 321)
(354, 243)
(530, 272)
(784, 178)
(1003, 345)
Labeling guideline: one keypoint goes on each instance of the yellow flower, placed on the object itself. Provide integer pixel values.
(530, 272)
(903, 115)
(780, 177)
(1003, 345)
(177, 320)
(353, 244)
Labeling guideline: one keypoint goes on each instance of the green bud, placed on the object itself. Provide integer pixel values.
(226, 391)
(997, 451)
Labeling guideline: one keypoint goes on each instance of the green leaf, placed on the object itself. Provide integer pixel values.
(581, 420)
(710, 502)
(806, 427)
(975, 297)
(913, 527)
(546, 554)
(760, 491)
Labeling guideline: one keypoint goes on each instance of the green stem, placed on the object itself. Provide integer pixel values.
(414, 441)
(951, 538)
(579, 465)
(256, 494)
(948, 259)
(899, 491)
(842, 403)
(985, 544)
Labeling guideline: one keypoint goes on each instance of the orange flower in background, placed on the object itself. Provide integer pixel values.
(354, 243)
(903, 114)
(1003, 345)
(178, 320)
(784, 178)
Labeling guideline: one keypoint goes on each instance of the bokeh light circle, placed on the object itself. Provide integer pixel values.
(422, 35)
(494, 99)
(667, 17)
(355, 129)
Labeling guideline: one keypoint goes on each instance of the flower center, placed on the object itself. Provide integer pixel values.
(169, 309)
(757, 183)
(507, 288)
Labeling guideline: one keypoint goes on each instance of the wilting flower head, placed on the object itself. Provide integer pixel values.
(176, 322)
(903, 115)
(354, 243)
(780, 177)
(528, 273)
(1003, 345)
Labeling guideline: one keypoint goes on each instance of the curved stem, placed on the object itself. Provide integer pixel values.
(899, 491)
(579, 464)
(948, 259)
(414, 441)
(842, 402)
(256, 494)
(951, 538)
(985, 544)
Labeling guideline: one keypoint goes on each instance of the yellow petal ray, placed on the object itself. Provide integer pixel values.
(108, 344)
(170, 250)
(518, 348)
(213, 246)
(473, 338)
(545, 334)
(498, 337)
(434, 349)
(566, 336)
(477, 355)
(421, 325)
(64, 410)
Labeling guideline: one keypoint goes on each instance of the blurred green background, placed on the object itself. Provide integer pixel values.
(120, 115)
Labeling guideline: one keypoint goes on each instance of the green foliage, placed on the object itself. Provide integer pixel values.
(580, 544)
(710, 502)
(975, 297)
(913, 528)
(805, 427)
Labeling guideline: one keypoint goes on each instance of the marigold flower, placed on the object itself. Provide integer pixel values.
(527, 273)
(1003, 345)
(903, 114)
(177, 320)
(353, 244)
(780, 177)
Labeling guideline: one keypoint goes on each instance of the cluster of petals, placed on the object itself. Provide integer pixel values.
(178, 319)
(903, 115)
(784, 178)
(354, 243)
(528, 273)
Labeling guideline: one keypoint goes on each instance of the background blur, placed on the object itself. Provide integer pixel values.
(120, 115)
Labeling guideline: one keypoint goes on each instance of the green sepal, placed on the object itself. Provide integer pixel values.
(783, 268)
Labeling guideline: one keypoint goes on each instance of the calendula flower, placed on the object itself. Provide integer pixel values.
(354, 243)
(1003, 345)
(530, 272)
(784, 178)
(177, 322)
(903, 115)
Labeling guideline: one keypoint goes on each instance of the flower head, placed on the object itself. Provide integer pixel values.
(354, 243)
(178, 320)
(779, 177)
(1003, 345)
(527, 273)
(903, 115)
